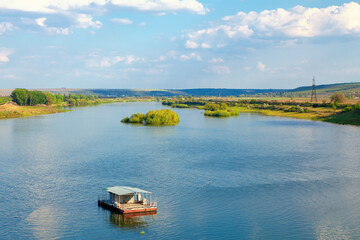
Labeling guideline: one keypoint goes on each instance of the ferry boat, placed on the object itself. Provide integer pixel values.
(127, 200)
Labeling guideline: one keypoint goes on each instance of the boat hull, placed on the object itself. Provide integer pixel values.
(118, 210)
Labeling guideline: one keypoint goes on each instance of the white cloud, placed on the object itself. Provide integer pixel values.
(85, 21)
(122, 21)
(51, 30)
(155, 71)
(110, 61)
(205, 45)
(4, 55)
(131, 59)
(160, 59)
(247, 68)
(216, 60)
(191, 44)
(221, 70)
(142, 24)
(5, 26)
(261, 66)
(190, 56)
(41, 21)
(56, 6)
(280, 24)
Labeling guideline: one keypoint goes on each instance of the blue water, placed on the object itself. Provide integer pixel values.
(246, 177)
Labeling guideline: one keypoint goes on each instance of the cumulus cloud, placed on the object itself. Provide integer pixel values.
(191, 44)
(4, 55)
(85, 21)
(216, 60)
(55, 6)
(297, 22)
(221, 70)
(5, 26)
(122, 21)
(261, 66)
(52, 30)
(109, 61)
(160, 59)
(185, 57)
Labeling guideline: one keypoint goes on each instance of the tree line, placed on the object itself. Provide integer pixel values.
(24, 97)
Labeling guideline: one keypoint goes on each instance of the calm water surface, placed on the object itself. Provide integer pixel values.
(247, 177)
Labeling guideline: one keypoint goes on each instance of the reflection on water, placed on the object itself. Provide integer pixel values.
(130, 221)
(45, 223)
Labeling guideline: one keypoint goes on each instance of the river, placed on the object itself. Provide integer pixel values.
(245, 177)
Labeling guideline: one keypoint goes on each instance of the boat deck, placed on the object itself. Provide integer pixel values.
(129, 207)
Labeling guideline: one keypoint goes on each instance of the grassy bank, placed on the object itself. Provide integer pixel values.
(282, 107)
(352, 118)
(316, 114)
(12, 110)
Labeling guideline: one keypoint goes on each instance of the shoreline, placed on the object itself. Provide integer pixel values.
(338, 117)
(12, 110)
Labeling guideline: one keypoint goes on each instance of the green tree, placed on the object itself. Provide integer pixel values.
(162, 117)
(223, 106)
(71, 101)
(50, 98)
(59, 98)
(20, 96)
(211, 107)
(180, 97)
(338, 97)
(91, 97)
(36, 97)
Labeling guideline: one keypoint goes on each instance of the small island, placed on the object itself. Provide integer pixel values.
(219, 110)
(157, 118)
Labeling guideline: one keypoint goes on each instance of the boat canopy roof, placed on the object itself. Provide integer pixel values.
(122, 190)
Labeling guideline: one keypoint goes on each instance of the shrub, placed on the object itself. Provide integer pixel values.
(348, 109)
(158, 117)
(219, 113)
(36, 97)
(211, 107)
(71, 101)
(162, 117)
(135, 118)
(178, 105)
(20, 96)
(356, 107)
(338, 97)
(223, 106)
(234, 113)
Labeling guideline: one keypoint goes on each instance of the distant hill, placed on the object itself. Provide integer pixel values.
(328, 89)
(322, 90)
(223, 92)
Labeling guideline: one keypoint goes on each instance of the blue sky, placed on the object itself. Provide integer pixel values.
(178, 43)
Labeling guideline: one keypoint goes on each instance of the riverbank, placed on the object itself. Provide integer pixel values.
(317, 114)
(12, 110)
(320, 111)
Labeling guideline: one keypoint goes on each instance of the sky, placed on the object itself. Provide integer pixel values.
(178, 44)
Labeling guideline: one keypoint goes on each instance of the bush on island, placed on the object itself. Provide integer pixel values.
(158, 117)
(179, 105)
(219, 113)
(135, 118)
